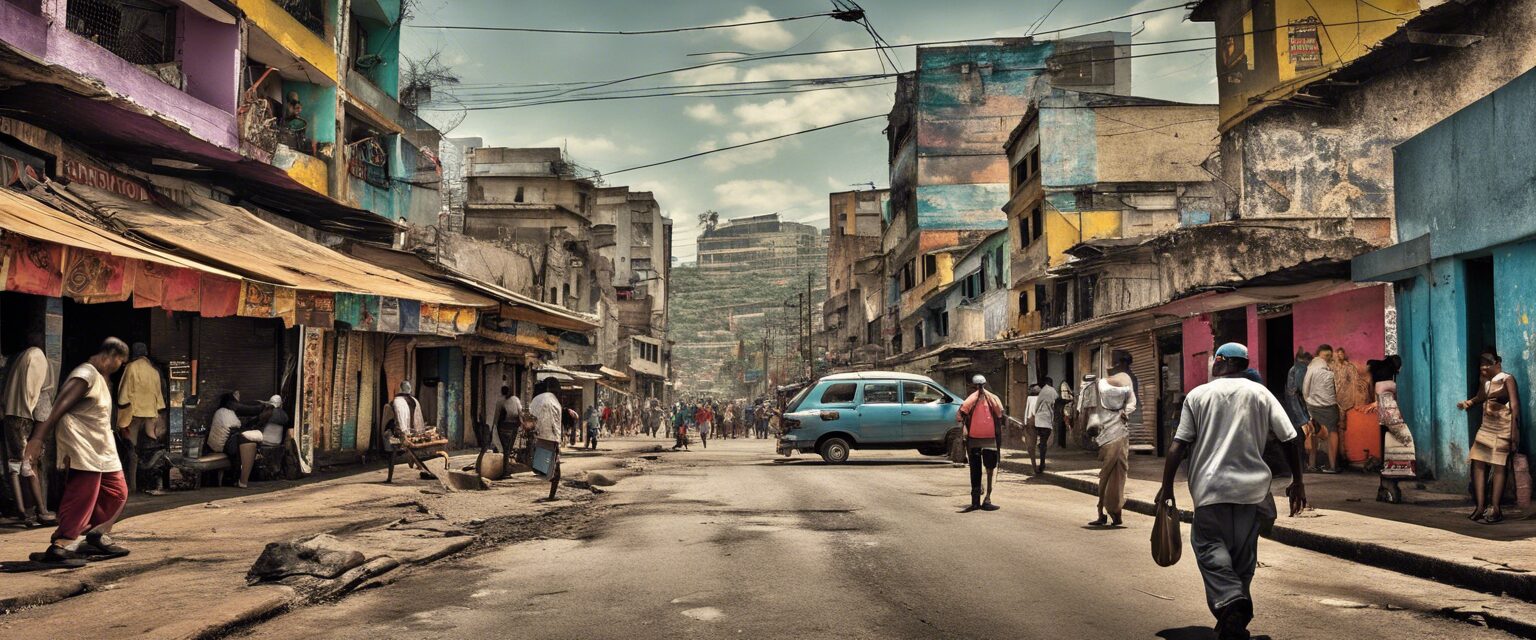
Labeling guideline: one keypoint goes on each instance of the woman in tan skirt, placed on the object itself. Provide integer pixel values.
(1498, 435)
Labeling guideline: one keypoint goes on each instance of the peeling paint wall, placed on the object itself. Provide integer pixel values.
(1337, 162)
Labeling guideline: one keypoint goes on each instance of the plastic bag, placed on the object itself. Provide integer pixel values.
(1167, 544)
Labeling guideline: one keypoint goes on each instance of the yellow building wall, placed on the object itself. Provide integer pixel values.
(295, 37)
(917, 295)
(1062, 232)
(1312, 39)
(311, 172)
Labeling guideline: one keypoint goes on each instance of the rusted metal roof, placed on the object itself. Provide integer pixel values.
(234, 239)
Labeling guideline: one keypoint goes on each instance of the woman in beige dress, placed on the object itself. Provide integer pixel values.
(1497, 437)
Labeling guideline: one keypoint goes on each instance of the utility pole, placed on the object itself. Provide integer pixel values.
(810, 346)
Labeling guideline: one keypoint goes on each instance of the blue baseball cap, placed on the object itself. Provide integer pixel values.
(1232, 350)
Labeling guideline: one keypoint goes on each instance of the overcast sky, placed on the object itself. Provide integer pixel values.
(791, 176)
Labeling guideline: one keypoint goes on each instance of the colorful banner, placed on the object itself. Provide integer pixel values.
(255, 299)
(428, 318)
(410, 316)
(148, 283)
(369, 320)
(184, 290)
(36, 267)
(284, 305)
(93, 276)
(313, 391)
(220, 296)
(315, 309)
(389, 315)
(349, 310)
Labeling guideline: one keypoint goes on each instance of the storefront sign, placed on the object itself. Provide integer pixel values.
(34, 137)
(92, 175)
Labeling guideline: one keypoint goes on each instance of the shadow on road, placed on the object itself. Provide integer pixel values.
(812, 462)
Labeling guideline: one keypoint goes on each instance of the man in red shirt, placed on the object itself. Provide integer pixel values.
(980, 418)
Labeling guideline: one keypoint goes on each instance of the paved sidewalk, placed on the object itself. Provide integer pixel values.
(1429, 536)
(186, 575)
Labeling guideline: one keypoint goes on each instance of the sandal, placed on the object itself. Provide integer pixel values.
(1496, 518)
(1477, 516)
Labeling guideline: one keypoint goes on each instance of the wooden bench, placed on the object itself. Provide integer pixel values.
(194, 466)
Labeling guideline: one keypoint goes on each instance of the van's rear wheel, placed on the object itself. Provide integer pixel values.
(834, 450)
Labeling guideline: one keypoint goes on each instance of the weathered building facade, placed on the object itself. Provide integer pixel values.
(855, 286)
(948, 172)
(228, 183)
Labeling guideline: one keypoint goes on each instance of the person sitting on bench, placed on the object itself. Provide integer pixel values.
(226, 433)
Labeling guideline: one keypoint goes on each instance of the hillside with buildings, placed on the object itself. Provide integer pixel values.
(745, 292)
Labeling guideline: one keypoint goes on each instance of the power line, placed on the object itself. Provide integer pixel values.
(710, 93)
(738, 83)
(744, 144)
(846, 16)
(812, 53)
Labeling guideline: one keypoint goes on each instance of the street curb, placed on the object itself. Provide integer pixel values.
(1516, 585)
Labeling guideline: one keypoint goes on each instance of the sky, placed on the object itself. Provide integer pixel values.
(791, 176)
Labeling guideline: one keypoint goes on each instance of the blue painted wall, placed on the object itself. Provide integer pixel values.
(1470, 183)
(1470, 180)
(962, 206)
(1069, 147)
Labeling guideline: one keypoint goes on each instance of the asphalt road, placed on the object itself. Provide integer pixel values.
(730, 542)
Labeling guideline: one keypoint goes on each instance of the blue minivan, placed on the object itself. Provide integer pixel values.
(870, 410)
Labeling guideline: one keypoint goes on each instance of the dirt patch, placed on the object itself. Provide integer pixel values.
(574, 521)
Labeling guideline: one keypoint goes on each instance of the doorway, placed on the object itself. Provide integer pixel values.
(1279, 352)
(1481, 329)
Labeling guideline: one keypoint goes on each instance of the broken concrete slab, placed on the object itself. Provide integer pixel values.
(321, 556)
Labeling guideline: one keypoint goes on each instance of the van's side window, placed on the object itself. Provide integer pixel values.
(880, 393)
(841, 393)
(919, 393)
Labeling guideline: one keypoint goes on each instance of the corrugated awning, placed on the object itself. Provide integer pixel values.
(24, 215)
(237, 240)
(516, 306)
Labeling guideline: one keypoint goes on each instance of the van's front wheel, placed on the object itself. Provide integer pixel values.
(834, 450)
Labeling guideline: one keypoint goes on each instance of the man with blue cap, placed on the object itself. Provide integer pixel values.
(1222, 431)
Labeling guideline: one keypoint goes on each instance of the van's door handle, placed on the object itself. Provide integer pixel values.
(906, 413)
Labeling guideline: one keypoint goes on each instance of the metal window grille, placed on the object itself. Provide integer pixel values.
(309, 13)
(139, 31)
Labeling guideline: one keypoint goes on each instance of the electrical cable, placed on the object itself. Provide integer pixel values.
(1041, 22)
(744, 144)
(840, 15)
(712, 93)
(740, 83)
(809, 53)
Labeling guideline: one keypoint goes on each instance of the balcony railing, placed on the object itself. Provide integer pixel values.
(310, 13)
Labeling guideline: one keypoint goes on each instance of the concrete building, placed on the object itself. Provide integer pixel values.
(226, 178)
(760, 242)
(855, 285)
(632, 234)
(1463, 282)
(948, 172)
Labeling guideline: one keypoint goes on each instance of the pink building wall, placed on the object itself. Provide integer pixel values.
(1197, 351)
(1353, 320)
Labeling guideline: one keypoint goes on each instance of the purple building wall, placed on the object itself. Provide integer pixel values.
(210, 57)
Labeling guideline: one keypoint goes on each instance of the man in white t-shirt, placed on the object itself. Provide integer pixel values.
(547, 414)
(1042, 423)
(94, 489)
(1222, 431)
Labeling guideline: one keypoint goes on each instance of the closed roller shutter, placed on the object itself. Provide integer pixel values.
(235, 354)
(1143, 350)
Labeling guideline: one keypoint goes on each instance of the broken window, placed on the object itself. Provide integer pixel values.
(1083, 64)
(140, 31)
(1036, 222)
(519, 196)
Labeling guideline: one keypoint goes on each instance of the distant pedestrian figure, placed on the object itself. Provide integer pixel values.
(704, 418)
(1317, 387)
(1105, 407)
(1295, 404)
(980, 417)
(1222, 430)
(594, 424)
(1042, 423)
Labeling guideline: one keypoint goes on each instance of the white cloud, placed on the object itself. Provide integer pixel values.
(762, 36)
(1186, 77)
(587, 149)
(705, 112)
(756, 197)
